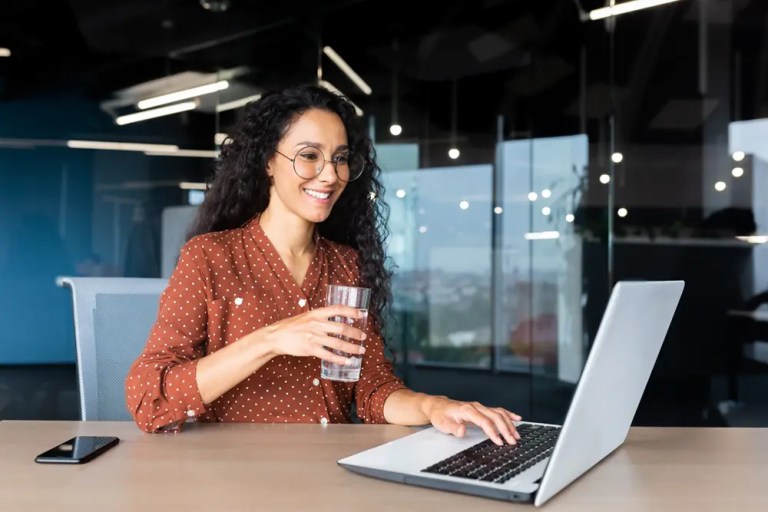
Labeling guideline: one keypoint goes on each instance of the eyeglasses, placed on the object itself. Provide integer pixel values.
(310, 162)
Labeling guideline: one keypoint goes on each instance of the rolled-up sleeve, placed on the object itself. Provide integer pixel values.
(161, 386)
(377, 379)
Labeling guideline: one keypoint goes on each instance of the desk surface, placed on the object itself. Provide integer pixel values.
(243, 467)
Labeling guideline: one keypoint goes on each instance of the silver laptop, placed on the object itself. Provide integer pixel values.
(548, 457)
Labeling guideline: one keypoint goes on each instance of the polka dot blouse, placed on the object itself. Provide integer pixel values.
(226, 285)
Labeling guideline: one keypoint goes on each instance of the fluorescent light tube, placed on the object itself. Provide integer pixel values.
(754, 239)
(543, 235)
(347, 69)
(194, 153)
(191, 185)
(622, 8)
(237, 103)
(182, 95)
(5, 52)
(332, 88)
(158, 112)
(121, 146)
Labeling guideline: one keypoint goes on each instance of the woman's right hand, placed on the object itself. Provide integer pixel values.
(313, 334)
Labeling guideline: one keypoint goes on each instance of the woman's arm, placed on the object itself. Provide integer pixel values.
(406, 407)
(302, 335)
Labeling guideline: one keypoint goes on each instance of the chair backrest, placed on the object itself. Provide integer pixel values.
(113, 317)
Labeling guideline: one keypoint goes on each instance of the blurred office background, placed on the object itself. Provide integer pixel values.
(532, 157)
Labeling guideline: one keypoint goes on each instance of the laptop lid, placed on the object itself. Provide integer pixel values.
(615, 375)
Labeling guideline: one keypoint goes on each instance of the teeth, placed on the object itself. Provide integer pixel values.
(319, 195)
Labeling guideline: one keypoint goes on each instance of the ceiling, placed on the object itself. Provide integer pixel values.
(518, 58)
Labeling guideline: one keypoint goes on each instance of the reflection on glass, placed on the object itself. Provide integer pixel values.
(539, 325)
(440, 225)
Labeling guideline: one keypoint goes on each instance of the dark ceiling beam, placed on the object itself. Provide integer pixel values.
(629, 106)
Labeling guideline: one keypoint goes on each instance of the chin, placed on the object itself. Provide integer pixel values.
(317, 216)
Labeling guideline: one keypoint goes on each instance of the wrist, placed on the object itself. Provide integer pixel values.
(429, 403)
(261, 347)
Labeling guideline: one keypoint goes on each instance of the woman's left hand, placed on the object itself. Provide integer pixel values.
(451, 417)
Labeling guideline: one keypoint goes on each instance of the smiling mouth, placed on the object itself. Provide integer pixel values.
(316, 194)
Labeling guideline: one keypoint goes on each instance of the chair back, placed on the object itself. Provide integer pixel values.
(113, 318)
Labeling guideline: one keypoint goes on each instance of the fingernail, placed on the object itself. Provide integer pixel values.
(362, 350)
(365, 336)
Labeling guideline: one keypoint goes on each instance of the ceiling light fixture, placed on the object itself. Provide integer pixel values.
(453, 152)
(230, 105)
(158, 112)
(192, 185)
(336, 58)
(542, 235)
(625, 7)
(328, 85)
(754, 239)
(395, 129)
(121, 146)
(5, 52)
(194, 153)
(184, 94)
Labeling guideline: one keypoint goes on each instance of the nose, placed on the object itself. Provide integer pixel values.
(327, 177)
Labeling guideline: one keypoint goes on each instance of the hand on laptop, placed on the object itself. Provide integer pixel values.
(451, 417)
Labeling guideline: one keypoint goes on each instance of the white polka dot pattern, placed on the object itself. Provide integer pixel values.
(226, 285)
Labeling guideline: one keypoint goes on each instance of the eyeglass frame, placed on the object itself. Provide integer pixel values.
(320, 168)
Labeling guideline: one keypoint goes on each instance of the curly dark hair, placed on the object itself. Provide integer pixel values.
(240, 186)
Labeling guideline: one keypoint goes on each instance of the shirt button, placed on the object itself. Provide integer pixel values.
(190, 413)
(323, 421)
(302, 302)
(316, 382)
(238, 301)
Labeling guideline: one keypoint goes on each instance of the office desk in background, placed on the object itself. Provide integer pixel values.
(244, 467)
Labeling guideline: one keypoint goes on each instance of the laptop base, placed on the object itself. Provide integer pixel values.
(443, 485)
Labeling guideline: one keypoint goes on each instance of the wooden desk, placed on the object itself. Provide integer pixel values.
(231, 467)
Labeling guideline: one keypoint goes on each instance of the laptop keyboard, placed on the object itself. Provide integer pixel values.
(489, 462)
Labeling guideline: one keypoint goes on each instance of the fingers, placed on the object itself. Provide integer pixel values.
(335, 343)
(323, 346)
(340, 329)
(337, 310)
(323, 353)
(497, 423)
(471, 413)
(503, 422)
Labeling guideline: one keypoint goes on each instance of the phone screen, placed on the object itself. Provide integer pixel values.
(77, 450)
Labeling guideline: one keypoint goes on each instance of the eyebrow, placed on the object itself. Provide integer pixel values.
(343, 147)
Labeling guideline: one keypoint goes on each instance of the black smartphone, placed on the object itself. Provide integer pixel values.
(77, 450)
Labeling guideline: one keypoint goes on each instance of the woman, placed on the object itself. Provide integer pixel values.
(242, 325)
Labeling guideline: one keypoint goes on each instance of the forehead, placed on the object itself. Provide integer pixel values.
(319, 127)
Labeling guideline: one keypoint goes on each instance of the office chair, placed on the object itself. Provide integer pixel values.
(113, 317)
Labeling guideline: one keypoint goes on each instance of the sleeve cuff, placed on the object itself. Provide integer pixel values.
(377, 400)
(181, 384)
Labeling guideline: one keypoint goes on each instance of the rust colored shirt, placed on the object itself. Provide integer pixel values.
(227, 284)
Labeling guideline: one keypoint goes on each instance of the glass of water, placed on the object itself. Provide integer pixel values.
(356, 298)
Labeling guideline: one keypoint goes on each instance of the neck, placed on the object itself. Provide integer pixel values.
(289, 233)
